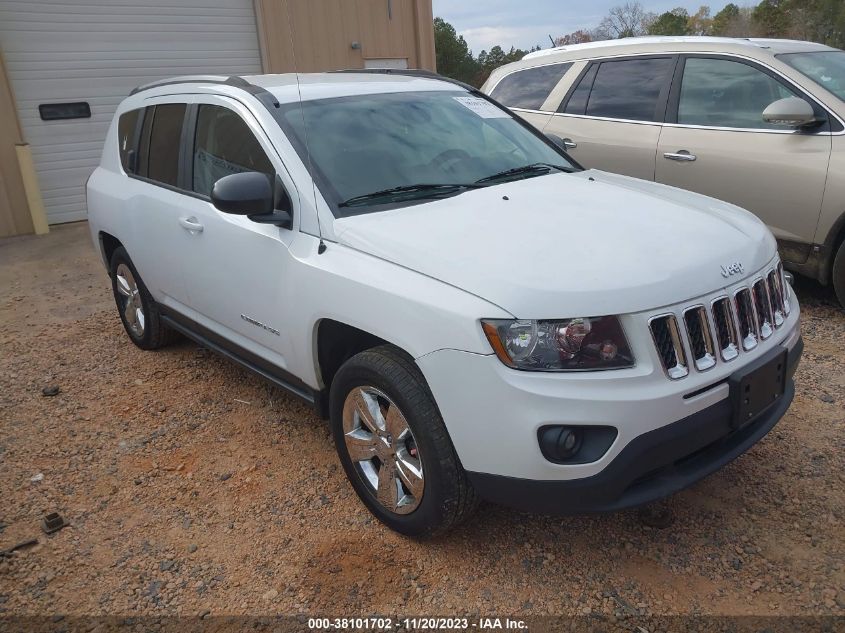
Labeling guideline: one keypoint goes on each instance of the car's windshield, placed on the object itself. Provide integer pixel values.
(417, 145)
(826, 68)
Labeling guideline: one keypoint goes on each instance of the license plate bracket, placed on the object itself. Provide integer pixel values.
(757, 386)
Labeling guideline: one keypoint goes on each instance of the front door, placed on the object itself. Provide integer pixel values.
(235, 269)
(715, 142)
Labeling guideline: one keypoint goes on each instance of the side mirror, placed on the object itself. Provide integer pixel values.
(791, 112)
(254, 195)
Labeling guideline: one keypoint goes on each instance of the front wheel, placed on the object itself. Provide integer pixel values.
(394, 446)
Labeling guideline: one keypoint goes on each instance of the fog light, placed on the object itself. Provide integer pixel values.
(575, 444)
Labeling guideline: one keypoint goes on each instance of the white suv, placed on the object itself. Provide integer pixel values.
(475, 314)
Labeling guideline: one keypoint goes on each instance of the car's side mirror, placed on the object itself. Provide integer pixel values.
(254, 195)
(791, 112)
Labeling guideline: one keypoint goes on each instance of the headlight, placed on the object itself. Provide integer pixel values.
(562, 345)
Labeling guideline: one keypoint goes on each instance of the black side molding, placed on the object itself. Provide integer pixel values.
(266, 370)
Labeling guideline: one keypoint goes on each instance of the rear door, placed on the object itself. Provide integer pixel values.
(715, 142)
(149, 142)
(611, 117)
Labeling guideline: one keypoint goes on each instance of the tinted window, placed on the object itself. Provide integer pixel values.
(577, 103)
(722, 93)
(127, 135)
(630, 89)
(224, 145)
(165, 133)
(529, 88)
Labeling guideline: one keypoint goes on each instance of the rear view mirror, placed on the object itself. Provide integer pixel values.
(254, 195)
(791, 112)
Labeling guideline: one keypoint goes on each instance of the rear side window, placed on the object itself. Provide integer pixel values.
(529, 88)
(577, 103)
(630, 89)
(224, 145)
(127, 140)
(165, 132)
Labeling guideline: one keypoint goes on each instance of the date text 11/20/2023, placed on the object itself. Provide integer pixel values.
(416, 624)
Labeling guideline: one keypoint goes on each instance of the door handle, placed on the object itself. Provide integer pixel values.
(568, 143)
(191, 224)
(681, 155)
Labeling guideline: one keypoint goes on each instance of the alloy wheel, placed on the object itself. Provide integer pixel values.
(383, 449)
(132, 308)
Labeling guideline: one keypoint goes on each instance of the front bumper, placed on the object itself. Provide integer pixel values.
(652, 466)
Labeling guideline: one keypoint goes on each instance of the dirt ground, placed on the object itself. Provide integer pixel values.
(192, 487)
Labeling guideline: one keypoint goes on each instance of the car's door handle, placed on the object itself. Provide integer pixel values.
(568, 143)
(191, 224)
(681, 155)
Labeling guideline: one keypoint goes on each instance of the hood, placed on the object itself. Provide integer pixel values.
(569, 245)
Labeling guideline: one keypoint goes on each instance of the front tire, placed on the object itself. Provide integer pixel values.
(136, 306)
(839, 274)
(394, 446)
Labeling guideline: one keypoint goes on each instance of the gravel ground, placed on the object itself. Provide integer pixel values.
(191, 487)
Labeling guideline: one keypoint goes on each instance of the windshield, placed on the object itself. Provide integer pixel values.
(412, 146)
(826, 68)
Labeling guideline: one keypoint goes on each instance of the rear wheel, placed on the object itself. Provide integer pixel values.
(394, 446)
(839, 274)
(137, 308)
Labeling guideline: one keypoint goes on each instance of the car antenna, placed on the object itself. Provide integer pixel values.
(321, 247)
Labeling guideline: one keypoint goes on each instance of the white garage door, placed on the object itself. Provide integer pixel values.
(96, 51)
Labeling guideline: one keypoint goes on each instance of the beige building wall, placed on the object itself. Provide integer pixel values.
(337, 34)
(15, 218)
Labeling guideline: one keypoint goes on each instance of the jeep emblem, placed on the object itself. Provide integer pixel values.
(732, 269)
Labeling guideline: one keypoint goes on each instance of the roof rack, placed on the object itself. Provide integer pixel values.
(408, 72)
(232, 80)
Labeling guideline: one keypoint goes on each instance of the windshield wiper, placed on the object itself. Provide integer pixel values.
(409, 192)
(527, 170)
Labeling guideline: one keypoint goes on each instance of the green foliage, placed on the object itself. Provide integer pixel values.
(771, 17)
(723, 20)
(454, 58)
(674, 22)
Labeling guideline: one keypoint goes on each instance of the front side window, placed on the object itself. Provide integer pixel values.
(826, 68)
(436, 140)
(630, 89)
(224, 145)
(165, 133)
(529, 88)
(724, 93)
(127, 129)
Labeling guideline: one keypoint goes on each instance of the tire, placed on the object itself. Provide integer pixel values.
(838, 276)
(386, 380)
(136, 306)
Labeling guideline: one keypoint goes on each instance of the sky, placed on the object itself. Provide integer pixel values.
(525, 23)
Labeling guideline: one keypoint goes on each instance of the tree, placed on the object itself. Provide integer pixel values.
(489, 61)
(627, 20)
(700, 23)
(577, 37)
(772, 18)
(724, 20)
(674, 22)
(454, 58)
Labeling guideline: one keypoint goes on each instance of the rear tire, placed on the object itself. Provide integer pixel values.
(838, 276)
(136, 306)
(394, 446)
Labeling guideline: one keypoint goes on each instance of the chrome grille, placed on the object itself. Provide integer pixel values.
(700, 339)
(723, 317)
(763, 305)
(749, 333)
(667, 338)
(722, 331)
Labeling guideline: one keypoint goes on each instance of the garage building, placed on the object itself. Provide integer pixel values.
(65, 65)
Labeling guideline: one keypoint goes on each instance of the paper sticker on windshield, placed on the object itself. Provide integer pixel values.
(482, 108)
